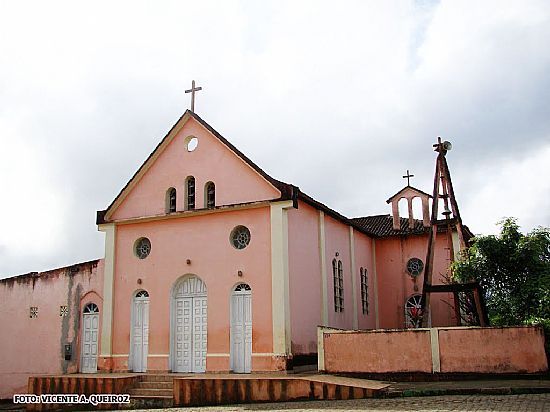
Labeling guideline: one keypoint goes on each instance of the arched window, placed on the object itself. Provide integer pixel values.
(91, 308)
(190, 193)
(338, 277)
(364, 291)
(142, 294)
(413, 311)
(171, 200)
(210, 195)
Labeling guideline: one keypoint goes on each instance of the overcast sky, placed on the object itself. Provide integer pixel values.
(337, 97)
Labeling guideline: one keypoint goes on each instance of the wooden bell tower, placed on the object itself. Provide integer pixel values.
(443, 189)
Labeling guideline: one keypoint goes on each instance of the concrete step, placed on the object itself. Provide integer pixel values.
(155, 385)
(150, 392)
(156, 378)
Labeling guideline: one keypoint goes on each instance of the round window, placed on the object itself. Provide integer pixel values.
(415, 266)
(191, 143)
(142, 247)
(240, 237)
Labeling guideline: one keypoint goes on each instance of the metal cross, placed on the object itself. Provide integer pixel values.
(192, 90)
(408, 177)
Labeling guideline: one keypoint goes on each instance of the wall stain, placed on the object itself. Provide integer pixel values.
(73, 302)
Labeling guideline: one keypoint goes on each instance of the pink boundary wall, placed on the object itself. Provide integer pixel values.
(435, 350)
(34, 346)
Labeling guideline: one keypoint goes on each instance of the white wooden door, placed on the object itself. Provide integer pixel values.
(140, 332)
(190, 326)
(241, 329)
(89, 347)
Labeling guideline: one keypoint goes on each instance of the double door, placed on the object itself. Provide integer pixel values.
(190, 334)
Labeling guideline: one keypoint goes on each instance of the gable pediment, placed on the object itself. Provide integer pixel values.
(237, 179)
(408, 192)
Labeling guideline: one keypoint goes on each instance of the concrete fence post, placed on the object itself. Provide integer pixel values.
(434, 342)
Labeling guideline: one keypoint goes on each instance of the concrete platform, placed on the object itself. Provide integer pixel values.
(166, 390)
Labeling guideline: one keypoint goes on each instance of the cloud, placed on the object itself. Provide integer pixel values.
(349, 94)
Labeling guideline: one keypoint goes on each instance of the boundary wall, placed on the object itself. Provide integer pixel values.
(449, 350)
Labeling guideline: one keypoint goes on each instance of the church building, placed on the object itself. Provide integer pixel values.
(212, 265)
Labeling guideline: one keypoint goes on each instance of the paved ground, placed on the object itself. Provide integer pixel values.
(473, 387)
(516, 403)
(478, 403)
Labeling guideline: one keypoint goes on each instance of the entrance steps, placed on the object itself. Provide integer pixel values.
(152, 390)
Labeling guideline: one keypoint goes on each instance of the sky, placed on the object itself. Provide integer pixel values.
(338, 98)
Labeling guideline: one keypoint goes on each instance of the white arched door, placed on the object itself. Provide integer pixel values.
(241, 329)
(139, 342)
(90, 333)
(189, 326)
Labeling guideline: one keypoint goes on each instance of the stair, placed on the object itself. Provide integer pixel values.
(153, 391)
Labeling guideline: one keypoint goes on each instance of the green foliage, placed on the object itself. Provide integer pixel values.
(514, 271)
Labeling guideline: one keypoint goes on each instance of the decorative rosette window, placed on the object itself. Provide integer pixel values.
(414, 268)
(142, 247)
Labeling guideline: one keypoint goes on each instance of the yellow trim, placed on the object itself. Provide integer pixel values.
(323, 260)
(192, 213)
(279, 277)
(456, 244)
(108, 289)
(434, 343)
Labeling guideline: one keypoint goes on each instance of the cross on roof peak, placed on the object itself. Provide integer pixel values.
(192, 90)
(408, 177)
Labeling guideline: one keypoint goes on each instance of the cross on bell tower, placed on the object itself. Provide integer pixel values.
(408, 177)
(192, 90)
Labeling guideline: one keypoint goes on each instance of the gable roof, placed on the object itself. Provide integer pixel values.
(408, 187)
(382, 226)
(287, 190)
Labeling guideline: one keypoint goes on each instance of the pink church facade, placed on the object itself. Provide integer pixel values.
(211, 265)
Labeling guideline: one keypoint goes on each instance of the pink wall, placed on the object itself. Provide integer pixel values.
(363, 258)
(304, 278)
(212, 161)
(497, 350)
(337, 241)
(395, 285)
(381, 351)
(203, 239)
(461, 350)
(35, 345)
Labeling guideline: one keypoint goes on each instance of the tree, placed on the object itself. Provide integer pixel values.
(514, 272)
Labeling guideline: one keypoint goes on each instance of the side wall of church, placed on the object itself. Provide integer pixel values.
(204, 240)
(366, 319)
(337, 246)
(304, 261)
(395, 285)
(314, 237)
(35, 345)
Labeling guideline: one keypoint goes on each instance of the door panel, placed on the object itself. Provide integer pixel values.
(89, 343)
(190, 334)
(140, 334)
(241, 331)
